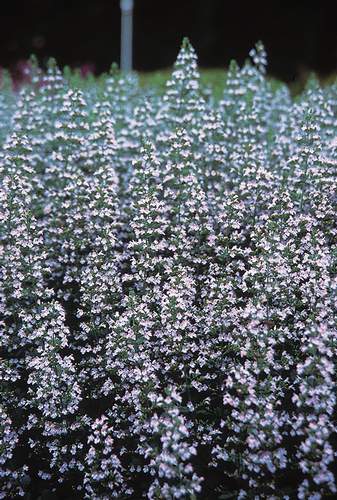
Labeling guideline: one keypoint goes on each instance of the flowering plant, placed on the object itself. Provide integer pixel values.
(168, 288)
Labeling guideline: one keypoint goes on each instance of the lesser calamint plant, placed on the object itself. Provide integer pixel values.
(167, 287)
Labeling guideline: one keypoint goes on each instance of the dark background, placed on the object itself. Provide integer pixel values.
(299, 35)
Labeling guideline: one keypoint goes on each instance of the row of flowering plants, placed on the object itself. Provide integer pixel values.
(168, 288)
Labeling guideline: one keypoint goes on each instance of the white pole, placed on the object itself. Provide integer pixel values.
(126, 34)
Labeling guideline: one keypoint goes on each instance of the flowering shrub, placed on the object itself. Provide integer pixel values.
(168, 288)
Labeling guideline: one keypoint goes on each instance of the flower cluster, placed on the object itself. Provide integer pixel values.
(168, 287)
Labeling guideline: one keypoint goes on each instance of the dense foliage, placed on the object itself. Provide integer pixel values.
(168, 288)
